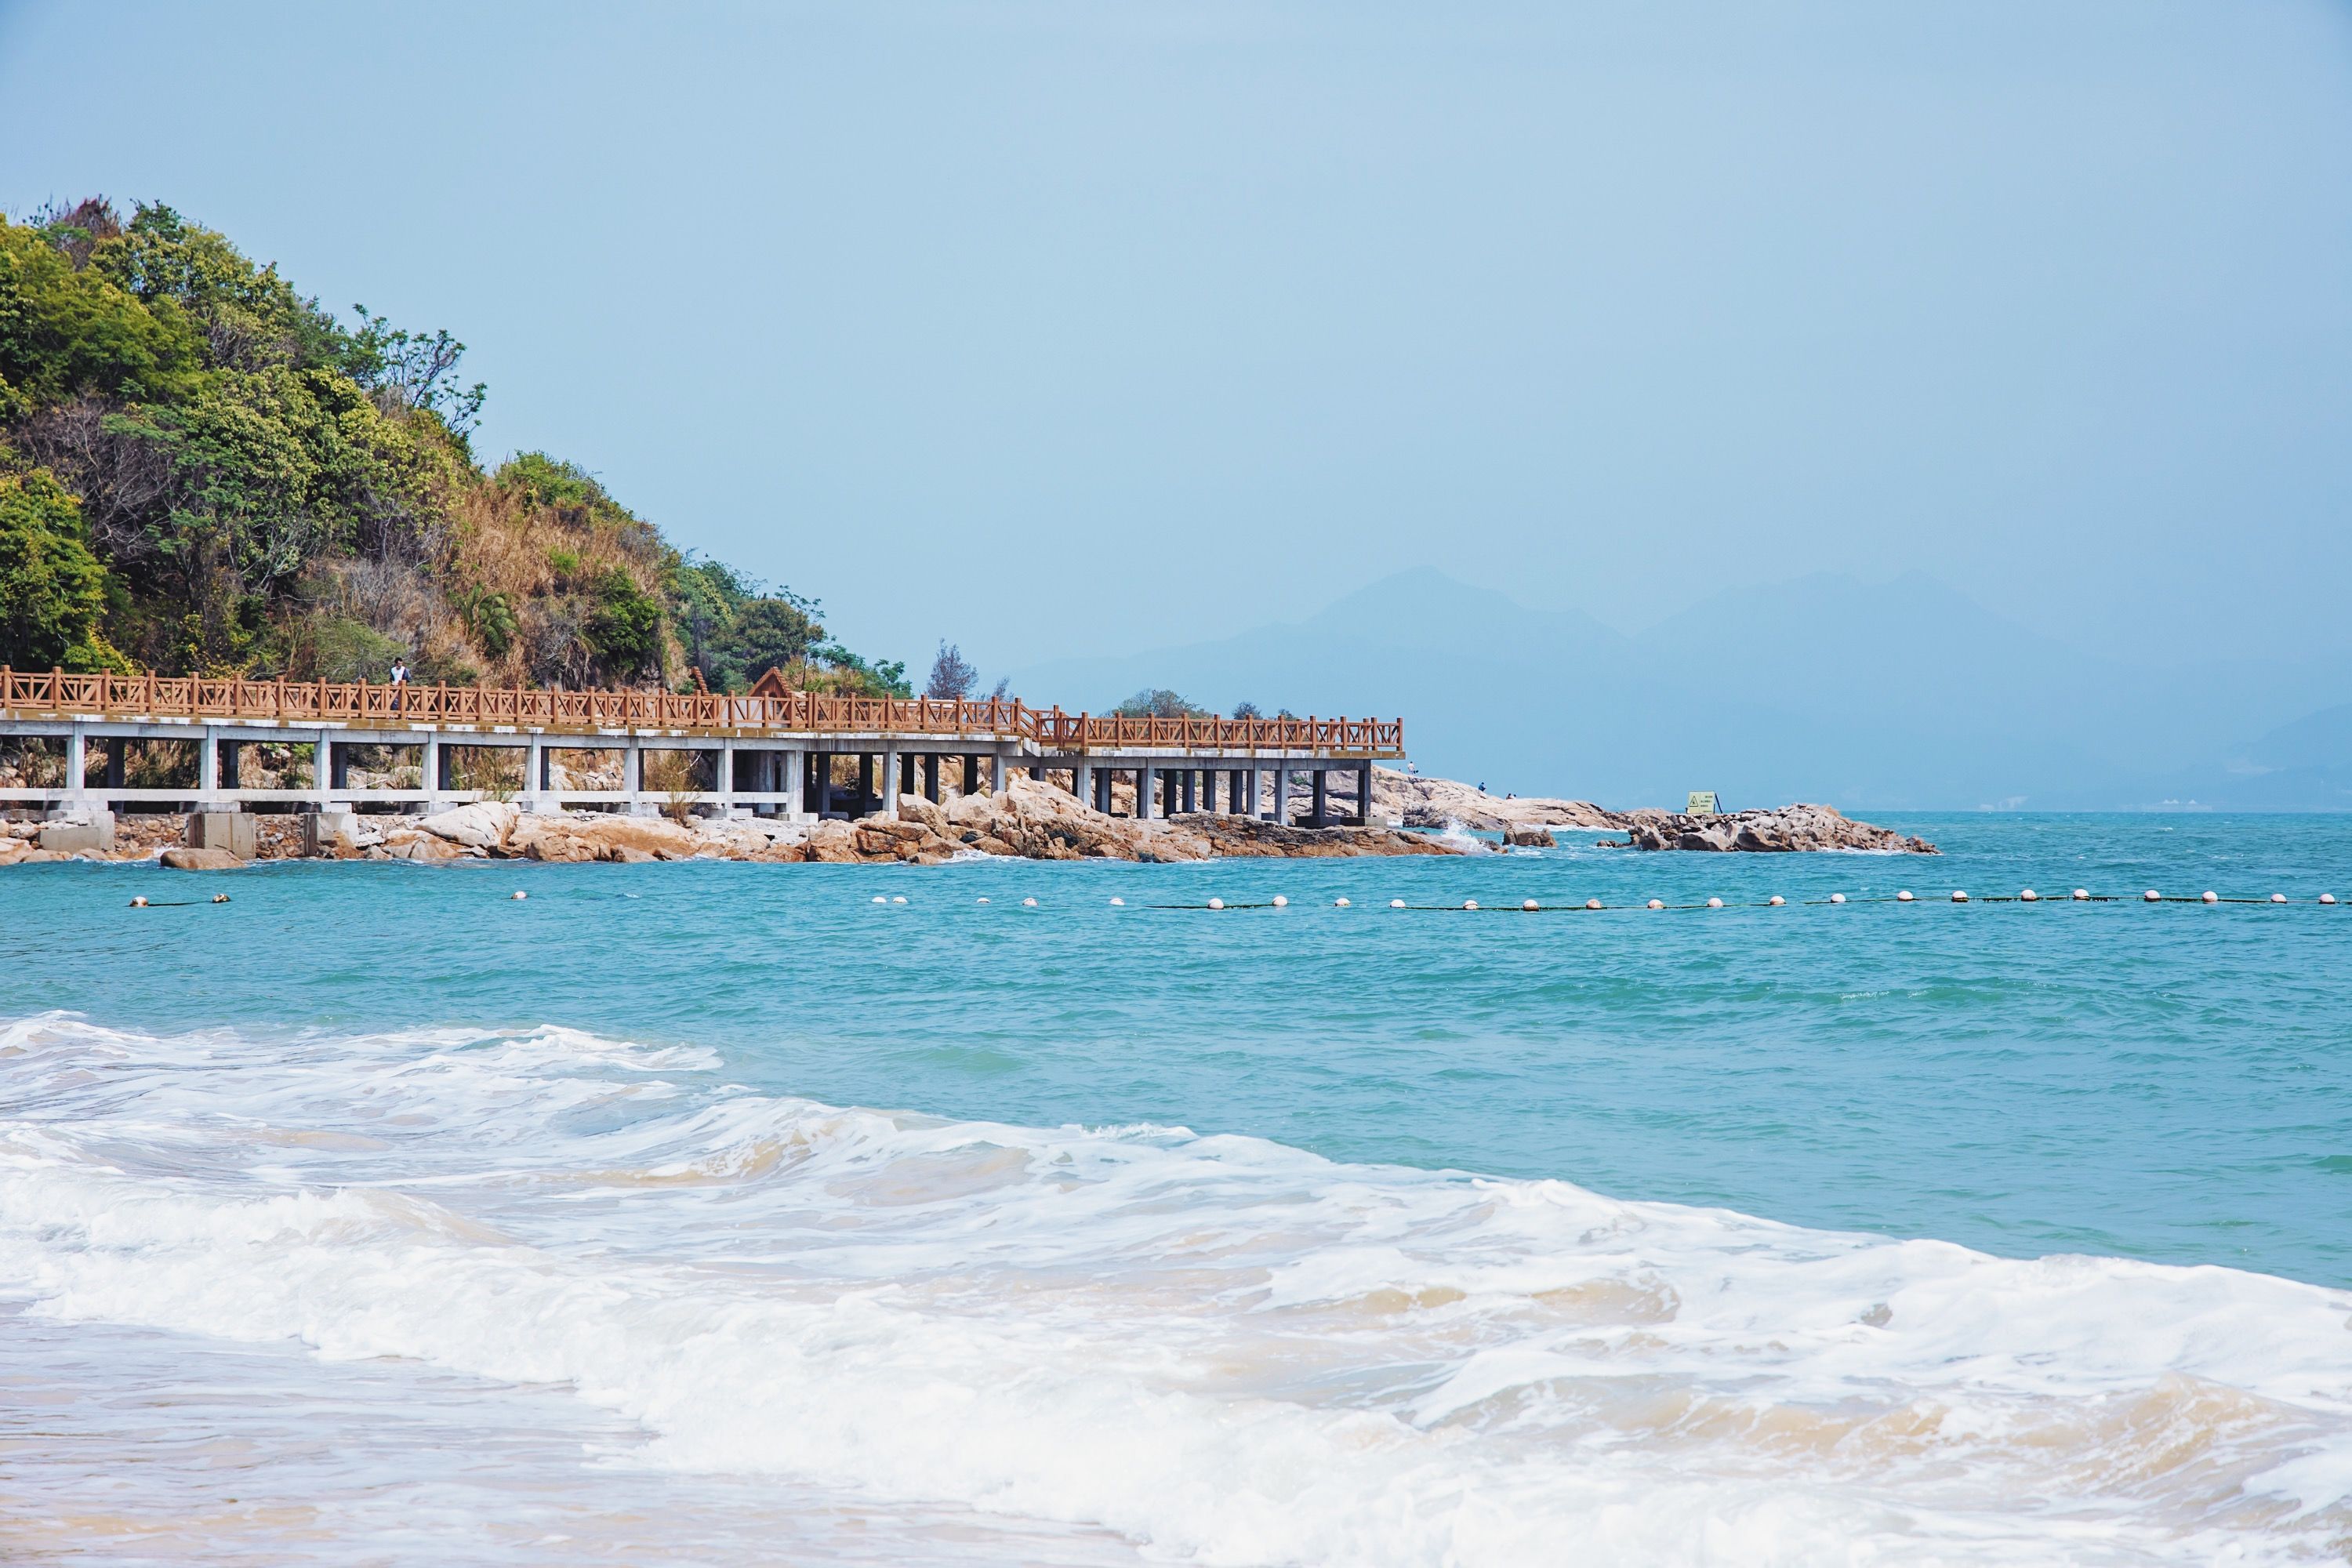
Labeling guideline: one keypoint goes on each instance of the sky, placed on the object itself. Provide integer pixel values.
(1075, 329)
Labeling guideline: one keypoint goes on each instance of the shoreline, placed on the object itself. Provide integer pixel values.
(1025, 820)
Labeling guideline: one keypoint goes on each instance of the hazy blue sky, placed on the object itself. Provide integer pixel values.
(1081, 328)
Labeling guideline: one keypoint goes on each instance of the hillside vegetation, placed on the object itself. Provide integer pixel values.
(202, 471)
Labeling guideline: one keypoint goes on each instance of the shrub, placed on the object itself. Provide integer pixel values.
(52, 589)
(624, 630)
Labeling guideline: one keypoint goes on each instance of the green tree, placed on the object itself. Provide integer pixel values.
(52, 589)
(65, 331)
(773, 633)
(952, 676)
(1159, 703)
(623, 629)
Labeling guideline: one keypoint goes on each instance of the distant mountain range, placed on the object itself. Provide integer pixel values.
(1903, 695)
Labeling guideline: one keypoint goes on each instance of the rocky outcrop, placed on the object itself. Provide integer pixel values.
(186, 859)
(1785, 828)
(1027, 820)
(1039, 822)
(1437, 803)
(1421, 801)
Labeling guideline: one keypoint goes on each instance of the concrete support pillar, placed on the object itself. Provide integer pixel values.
(931, 777)
(996, 773)
(534, 774)
(1364, 794)
(115, 746)
(866, 795)
(322, 767)
(1319, 814)
(725, 781)
(1104, 780)
(1192, 783)
(77, 765)
(207, 767)
(1082, 784)
(823, 762)
(1146, 778)
(794, 787)
(232, 764)
(633, 778)
(892, 782)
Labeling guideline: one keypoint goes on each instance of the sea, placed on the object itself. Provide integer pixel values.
(1015, 1212)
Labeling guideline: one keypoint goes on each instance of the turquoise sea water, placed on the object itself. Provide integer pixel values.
(2170, 1084)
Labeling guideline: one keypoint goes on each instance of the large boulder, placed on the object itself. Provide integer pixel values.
(183, 858)
(478, 824)
(1784, 829)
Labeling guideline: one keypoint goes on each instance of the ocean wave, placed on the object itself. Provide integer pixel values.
(1224, 1349)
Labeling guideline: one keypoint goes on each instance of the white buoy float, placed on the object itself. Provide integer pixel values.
(1903, 896)
(1714, 903)
(1469, 903)
(1658, 903)
(1216, 903)
(139, 901)
(1592, 903)
(881, 900)
(1837, 898)
(900, 899)
(519, 895)
(1958, 897)
(1529, 904)
(2327, 898)
(2278, 898)
(2209, 897)
(1396, 903)
(2151, 897)
(981, 901)
(1280, 902)
(1776, 900)
(1339, 904)
(1119, 903)
(1028, 903)
(2082, 895)
(2028, 897)
(220, 897)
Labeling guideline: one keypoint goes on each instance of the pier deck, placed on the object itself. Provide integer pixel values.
(790, 753)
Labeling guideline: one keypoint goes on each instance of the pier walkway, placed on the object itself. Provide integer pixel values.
(67, 742)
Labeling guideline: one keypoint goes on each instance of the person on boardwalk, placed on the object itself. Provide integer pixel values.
(399, 683)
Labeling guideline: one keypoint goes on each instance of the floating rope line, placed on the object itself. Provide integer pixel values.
(1835, 900)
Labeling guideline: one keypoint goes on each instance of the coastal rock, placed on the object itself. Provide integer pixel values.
(1784, 829)
(479, 824)
(200, 859)
(1518, 837)
(1418, 801)
(1239, 836)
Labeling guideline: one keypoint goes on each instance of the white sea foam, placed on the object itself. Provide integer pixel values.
(1224, 1350)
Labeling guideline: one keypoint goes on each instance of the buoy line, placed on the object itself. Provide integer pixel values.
(1835, 901)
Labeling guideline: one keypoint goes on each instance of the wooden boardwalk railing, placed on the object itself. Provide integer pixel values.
(54, 694)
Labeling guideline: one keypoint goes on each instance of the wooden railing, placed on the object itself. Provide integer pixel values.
(57, 694)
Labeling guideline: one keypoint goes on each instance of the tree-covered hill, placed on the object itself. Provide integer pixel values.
(202, 471)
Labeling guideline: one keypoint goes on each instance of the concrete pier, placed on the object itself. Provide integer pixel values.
(87, 743)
